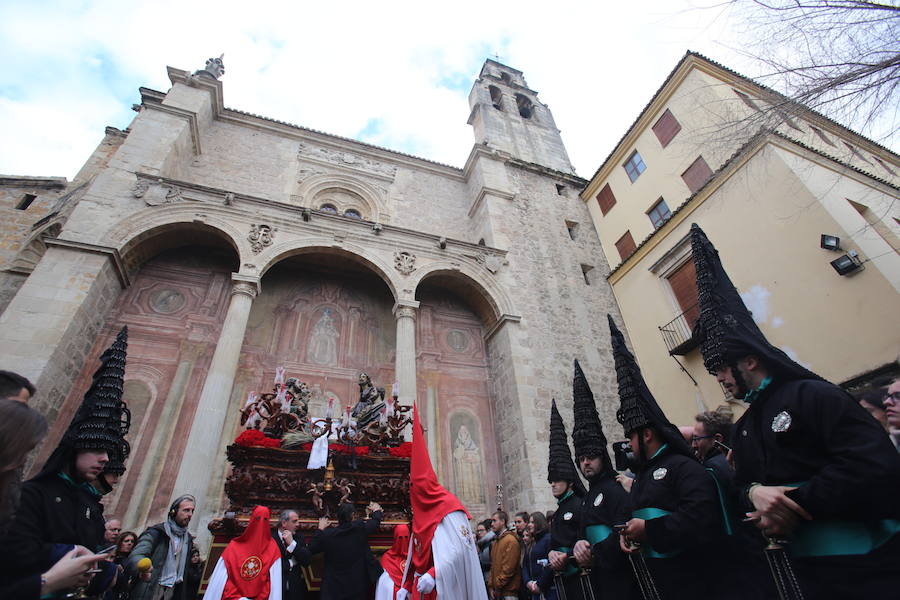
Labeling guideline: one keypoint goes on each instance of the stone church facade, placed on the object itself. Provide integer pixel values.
(231, 244)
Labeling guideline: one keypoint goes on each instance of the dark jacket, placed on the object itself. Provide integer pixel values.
(531, 570)
(154, 544)
(565, 530)
(293, 586)
(52, 511)
(346, 550)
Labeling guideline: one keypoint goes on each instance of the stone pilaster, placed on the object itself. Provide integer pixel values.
(203, 442)
(405, 312)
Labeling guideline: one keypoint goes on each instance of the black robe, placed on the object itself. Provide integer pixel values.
(564, 532)
(690, 535)
(51, 511)
(849, 469)
(346, 549)
(608, 504)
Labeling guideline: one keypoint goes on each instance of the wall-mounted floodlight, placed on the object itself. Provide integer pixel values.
(830, 242)
(848, 263)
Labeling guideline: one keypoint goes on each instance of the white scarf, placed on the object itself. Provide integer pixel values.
(173, 568)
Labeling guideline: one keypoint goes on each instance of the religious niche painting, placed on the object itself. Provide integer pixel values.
(322, 348)
(468, 462)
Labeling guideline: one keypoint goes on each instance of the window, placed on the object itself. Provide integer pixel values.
(697, 174)
(585, 271)
(683, 282)
(570, 227)
(496, 97)
(328, 208)
(822, 135)
(625, 245)
(747, 100)
(659, 213)
(505, 77)
(634, 166)
(352, 213)
(26, 201)
(560, 189)
(526, 108)
(666, 128)
(606, 199)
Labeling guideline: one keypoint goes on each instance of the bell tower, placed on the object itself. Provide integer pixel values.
(508, 116)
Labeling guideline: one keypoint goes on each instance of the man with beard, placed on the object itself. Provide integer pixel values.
(811, 466)
(676, 523)
(605, 505)
(568, 490)
(168, 546)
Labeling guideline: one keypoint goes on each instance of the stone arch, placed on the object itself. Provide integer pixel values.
(149, 232)
(486, 297)
(357, 254)
(345, 193)
(33, 250)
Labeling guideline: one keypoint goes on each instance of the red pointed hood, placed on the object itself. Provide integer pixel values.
(248, 559)
(430, 501)
(394, 560)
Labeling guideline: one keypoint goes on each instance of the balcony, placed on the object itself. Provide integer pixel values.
(678, 333)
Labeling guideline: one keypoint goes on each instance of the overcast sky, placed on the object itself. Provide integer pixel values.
(394, 74)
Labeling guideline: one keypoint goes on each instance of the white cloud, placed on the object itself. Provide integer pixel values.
(407, 66)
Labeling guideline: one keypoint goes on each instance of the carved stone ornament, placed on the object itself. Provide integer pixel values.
(260, 237)
(490, 262)
(157, 194)
(229, 198)
(346, 159)
(140, 188)
(405, 262)
(242, 287)
(215, 68)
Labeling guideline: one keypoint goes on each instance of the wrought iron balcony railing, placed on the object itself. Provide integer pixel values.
(677, 333)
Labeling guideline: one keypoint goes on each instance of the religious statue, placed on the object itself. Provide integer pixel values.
(299, 394)
(344, 487)
(322, 349)
(371, 399)
(318, 494)
(215, 68)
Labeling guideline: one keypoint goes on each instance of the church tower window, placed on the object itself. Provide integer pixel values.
(352, 213)
(329, 208)
(526, 108)
(496, 97)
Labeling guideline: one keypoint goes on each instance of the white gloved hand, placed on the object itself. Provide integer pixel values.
(402, 594)
(426, 584)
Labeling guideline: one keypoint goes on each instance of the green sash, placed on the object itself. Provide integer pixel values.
(840, 538)
(723, 503)
(597, 533)
(570, 569)
(649, 514)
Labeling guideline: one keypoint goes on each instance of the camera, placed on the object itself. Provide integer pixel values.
(622, 455)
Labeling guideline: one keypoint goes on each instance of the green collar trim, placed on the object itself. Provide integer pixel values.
(564, 497)
(754, 394)
(662, 448)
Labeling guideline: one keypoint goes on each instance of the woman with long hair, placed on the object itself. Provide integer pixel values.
(124, 545)
(535, 572)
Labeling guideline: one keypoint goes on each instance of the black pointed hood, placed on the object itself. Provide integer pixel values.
(638, 408)
(103, 419)
(725, 327)
(587, 433)
(560, 466)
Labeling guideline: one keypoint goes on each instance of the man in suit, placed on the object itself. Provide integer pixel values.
(293, 555)
(346, 549)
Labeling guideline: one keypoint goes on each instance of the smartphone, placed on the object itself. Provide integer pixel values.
(721, 446)
(620, 455)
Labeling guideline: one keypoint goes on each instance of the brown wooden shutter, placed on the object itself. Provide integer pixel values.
(666, 128)
(606, 199)
(697, 174)
(626, 245)
(684, 285)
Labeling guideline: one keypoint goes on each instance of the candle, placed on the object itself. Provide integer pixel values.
(282, 399)
(395, 390)
(279, 376)
(389, 408)
(346, 421)
(251, 398)
(329, 410)
(382, 419)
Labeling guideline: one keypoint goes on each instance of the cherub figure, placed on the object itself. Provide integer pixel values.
(344, 486)
(318, 492)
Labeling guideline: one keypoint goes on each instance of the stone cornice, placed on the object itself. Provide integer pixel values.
(112, 253)
(213, 86)
(33, 182)
(183, 113)
(503, 320)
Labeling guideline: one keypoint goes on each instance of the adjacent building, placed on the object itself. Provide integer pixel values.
(803, 211)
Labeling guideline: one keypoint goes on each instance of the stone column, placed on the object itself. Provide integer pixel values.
(405, 371)
(202, 449)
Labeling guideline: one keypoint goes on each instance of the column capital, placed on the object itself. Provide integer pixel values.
(245, 284)
(405, 308)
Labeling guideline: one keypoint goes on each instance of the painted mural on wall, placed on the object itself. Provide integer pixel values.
(468, 469)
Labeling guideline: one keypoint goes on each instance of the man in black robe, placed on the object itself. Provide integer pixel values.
(346, 549)
(568, 490)
(60, 507)
(677, 518)
(811, 466)
(293, 555)
(606, 504)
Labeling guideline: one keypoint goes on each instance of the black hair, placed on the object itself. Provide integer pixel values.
(12, 383)
(345, 512)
